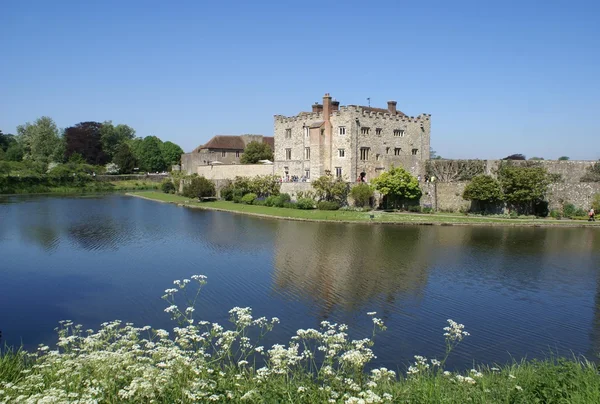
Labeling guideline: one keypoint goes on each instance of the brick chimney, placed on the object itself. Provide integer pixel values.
(392, 107)
(326, 107)
(317, 107)
(335, 105)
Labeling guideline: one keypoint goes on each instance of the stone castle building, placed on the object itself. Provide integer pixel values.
(346, 141)
(220, 149)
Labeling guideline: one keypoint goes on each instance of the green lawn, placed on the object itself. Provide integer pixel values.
(350, 216)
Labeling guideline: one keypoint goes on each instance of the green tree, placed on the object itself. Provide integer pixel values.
(483, 190)
(433, 154)
(171, 153)
(397, 185)
(6, 140)
(149, 154)
(536, 158)
(256, 151)
(112, 137)
(564, 158)
(41, 140)
(14, 152)
(524, 186)
(596, 204)
(199, 187)
(124, 159)
(362, 194)
(331, 189)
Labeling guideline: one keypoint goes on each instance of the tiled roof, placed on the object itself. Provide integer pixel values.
(231, 142)
(270, 140)
(317, 124)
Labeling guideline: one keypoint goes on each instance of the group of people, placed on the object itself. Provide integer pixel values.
(293, 178)
(427, 178)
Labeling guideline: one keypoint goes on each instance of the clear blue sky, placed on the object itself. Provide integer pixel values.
(502, 78)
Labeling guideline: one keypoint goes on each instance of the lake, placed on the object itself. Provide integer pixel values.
(521, 292)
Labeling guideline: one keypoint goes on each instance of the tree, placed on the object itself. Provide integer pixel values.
(564, 158)
(362, 194)
(329, 189)
(524, 186)
(199, 187)
(124, 159)
(536, 158)
(14, 152)
(40, 141)
(85, 138)
(112, 136)
(256, 151)
(6, 140)
(483, 190)
(515, 157)
(398, 185)
(149, 154)
(171, 153)
(433, 154)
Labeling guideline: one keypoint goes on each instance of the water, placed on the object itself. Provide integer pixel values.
(521, 292)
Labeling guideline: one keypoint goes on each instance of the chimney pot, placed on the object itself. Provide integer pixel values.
(392, 107)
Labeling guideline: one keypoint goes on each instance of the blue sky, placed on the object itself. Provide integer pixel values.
(501, 78)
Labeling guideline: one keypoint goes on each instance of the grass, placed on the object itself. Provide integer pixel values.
(203, 362)
(91, 187)
(351, 216)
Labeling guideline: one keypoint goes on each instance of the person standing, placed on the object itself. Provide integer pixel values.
(592, 215)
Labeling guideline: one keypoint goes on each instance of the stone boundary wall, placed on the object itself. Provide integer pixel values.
(230, 171)
(137, 177)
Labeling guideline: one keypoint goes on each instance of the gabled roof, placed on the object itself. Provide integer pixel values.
(270, 140)
(230, 142)
(317, 124)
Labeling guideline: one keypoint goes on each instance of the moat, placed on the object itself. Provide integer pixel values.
(521, 292)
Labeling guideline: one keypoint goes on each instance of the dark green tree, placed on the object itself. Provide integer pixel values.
(397, 185)
(524, 187)
(85, 139)
(14, 152)
(150, 156)
(564, 158)
(124, 159)
(171, 153)
(256, 151)
(362, 194)
(484, 190)
(113, 136)
(199, 187)
(6, 139)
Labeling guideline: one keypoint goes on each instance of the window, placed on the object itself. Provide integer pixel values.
(307, 153)
(338, 172)
(364, 153)
(365, 130)
(377, 157)
(378, 131)
(341, 153)
(237, 153)
(387, 150)
(288, 154)
(322, 132)
(306, 131)
(415, 151)
(307, 173)
(288, 133)
(397, 151)
(223, 153)
(342, 130)
(399, 132)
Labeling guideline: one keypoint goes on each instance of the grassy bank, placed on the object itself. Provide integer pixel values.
(200, 361)
(90, 187)
(352, 216)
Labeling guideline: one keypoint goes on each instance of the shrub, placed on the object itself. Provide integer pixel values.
(596, 203)
(580, 212)
(556, 214)
(270, 201)
(281, 199)
(167, 187)
(331, 189)
(328, 205)
(290, 205)
(259, 202)
(248, 199)
(569, 210)
(427, 209)
(305, 203)
(199, 187)
(484, 190)
(397, 185)
(362, 194)
(414, 208)
(227, 192)
(514, 214)
(236, 196)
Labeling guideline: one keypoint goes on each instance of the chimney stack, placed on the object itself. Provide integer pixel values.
(335, 105)
(326, 106)
(317, 107)
(392, 107)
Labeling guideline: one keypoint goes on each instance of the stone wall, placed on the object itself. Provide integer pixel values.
(190, 161)
(229, 172)
(137, 177)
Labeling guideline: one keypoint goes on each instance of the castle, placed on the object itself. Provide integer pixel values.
(350, 141)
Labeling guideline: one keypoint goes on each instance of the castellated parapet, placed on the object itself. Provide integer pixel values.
(348, 140)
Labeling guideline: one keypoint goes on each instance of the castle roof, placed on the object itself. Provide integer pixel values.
(381, 110)
(231, 142)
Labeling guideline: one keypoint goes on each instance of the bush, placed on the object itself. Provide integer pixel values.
(596, 203)
(270, 201)
(427, 209)
(259, 202)
(579, 212)
(556, 214)
(569, 210)
(281, 199)
(414, 208)
(362, 194)
(305, 203)
(248, 199)
(199, 187)
(236, 195)
(227, 192)
(290, 205)
(167, 187)
(328, 205)
(514, 214)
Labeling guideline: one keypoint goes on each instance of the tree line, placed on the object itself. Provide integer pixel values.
(100, 144)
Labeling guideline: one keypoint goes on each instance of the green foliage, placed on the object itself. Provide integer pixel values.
(569, 210)
(362, 194)
(564, 158)
(171, 153)
(112, 137)
(397, 185)
(328, 205)
(148, 153)
(414, 208)
(124, 159)
(536, 158)
(596, 203)
(167, 187)
(199, 187)
(248, 199)
(227, 192)
(41, 140)
(427, 209)
(14, 152)
(264, 185)
(523, 186)
(256, 151)
(484, 190)
(556, 214)
(305, 203)
(331, 189)
(592, 173)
